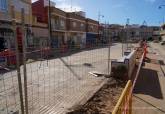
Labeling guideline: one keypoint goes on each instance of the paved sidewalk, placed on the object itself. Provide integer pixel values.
(149, 92)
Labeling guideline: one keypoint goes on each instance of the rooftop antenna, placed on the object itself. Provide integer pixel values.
(100, 16)
(127, 23)
(65, 9)
(144, 23)
(71, 5)
(127, 34)
(75, 11)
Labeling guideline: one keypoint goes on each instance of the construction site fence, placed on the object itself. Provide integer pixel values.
(50, 79)
(124, 104)
(56, 77)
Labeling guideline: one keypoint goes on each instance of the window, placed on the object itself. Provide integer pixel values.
(74, 24)
(62, 23)
(82, 25)
(53, 24)
(39, 18)
(91, 27)
(3, 5)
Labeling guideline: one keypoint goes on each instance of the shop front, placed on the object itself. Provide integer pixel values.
(6, 39)
(91, 39)
(40, 37)
(76, 40)
(58, 39)
(7, 47)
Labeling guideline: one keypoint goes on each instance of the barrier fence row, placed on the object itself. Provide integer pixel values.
(54, 82)
(48, 81)
(124, 104)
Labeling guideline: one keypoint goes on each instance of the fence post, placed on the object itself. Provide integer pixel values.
(109, 53)
(17, 61)
(24, 60)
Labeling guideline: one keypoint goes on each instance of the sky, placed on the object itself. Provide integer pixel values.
(118, 11)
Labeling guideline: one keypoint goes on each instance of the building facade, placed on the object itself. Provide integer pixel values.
(114, 31)
(68, 29)
(162, 32)
(40, 23)
(76, 30)
(92, 33)
(39, 34)
(10, 9)
(58, 28)
(136, 33)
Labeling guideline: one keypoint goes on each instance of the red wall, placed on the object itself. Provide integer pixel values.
(40, 11)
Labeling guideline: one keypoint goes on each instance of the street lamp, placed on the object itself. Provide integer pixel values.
(49, 23)
(99, 16)
(109, 47)
(160, 7)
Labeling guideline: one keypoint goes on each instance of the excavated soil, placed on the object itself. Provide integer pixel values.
(103, 101)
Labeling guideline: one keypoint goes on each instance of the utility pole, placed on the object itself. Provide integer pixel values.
(24, 59)
(144, 23)
(127, 25)
(71, 5)
(99, 16)
(109, 49)
(49, 24)
(160, 7)
(122, 37)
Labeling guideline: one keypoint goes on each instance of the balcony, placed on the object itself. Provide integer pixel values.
(58, 27)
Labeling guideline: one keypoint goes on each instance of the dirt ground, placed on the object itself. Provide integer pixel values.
(103, 101)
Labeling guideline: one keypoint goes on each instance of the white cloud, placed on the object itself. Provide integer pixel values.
(66, 5)
(68, 8)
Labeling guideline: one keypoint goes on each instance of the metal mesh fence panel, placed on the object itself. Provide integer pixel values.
(9, 90)
(58, 79)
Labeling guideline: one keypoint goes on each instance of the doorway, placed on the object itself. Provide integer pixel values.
(2, 44)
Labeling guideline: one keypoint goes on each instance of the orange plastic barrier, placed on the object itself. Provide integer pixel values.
(9, 55)
(124, 104)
